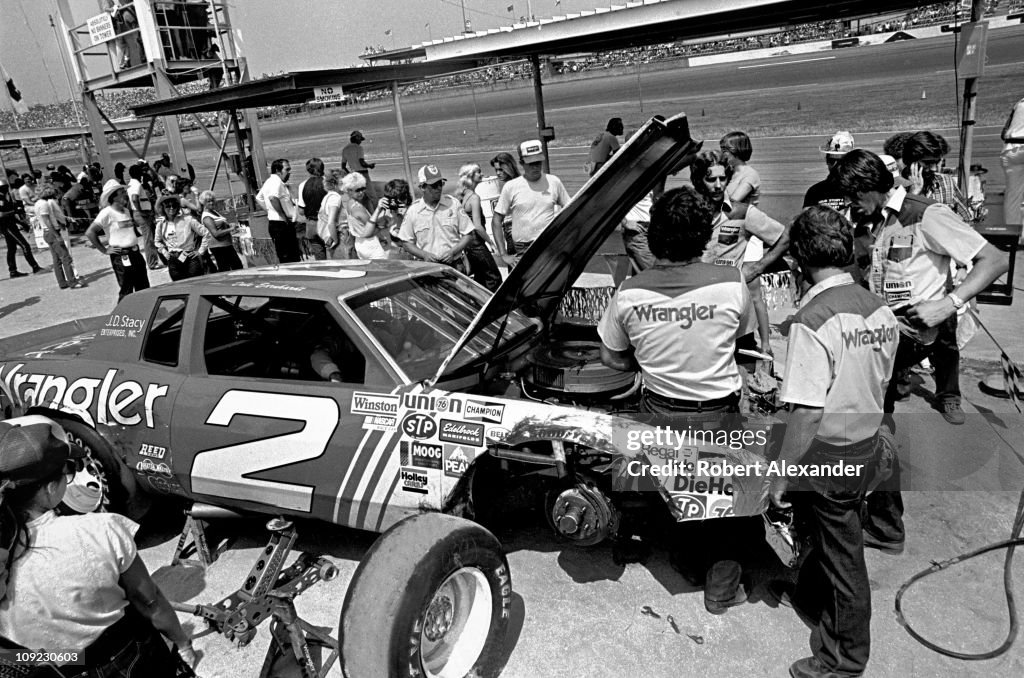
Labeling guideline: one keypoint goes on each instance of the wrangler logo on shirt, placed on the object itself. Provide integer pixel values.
(685, 315)
(873, 338)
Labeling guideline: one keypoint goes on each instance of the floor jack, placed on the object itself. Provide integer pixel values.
(269, 592)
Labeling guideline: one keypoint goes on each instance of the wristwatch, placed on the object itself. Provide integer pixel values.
(958, 303)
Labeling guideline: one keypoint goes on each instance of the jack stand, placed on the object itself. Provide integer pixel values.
(196, 520)
(269, 592)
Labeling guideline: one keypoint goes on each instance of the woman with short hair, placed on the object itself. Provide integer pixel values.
(366, 231)
(332, 220)
(481, 263)
(220, 232)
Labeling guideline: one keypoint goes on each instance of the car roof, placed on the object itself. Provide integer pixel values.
(329, 279)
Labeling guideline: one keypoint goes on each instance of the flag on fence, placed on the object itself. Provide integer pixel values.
(13, 93)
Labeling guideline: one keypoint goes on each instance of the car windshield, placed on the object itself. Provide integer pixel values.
(418, 320)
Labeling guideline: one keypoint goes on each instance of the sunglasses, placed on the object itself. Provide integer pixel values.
(437, 185)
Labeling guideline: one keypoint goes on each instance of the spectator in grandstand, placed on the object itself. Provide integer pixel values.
(604, 146)
(219, 233)
(370, 238)
(532, 200)
(745, 185)
(13, 236)
(54, 225)
(505, 170)
(481, 263)
(827, 192)
(353, 159)
(122, 245)
(141, 201)
(435, 227)
(734, 225)
(309, 196)
(332, 220)
(277, 200)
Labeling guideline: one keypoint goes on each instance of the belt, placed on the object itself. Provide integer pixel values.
(717, 402)
(133, 248)
(864, 449)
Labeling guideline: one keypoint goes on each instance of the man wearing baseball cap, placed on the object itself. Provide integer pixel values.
(352, 157)
(436, 228)
(85, 566)
(826, 192)
(532, 199)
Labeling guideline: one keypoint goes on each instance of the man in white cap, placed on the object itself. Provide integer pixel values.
(436, 228)
(532, 199)
(115, 219)
(826, 192)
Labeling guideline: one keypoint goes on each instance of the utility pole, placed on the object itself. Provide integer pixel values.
(970, 105)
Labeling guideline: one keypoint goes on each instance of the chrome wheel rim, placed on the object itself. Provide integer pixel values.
(456, 624)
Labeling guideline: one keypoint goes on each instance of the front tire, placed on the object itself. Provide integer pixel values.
(105, 484)
(431, 599)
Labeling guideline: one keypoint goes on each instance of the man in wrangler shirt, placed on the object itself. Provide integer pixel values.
(910, 259)
(677, 322)
(842, 347)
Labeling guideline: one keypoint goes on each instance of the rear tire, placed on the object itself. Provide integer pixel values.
(431, 599)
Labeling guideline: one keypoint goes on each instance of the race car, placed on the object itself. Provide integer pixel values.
(386, 396)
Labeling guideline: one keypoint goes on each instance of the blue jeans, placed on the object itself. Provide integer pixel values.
(63, 266)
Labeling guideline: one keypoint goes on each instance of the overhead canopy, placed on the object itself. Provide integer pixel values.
(635, 24)
(297, 87)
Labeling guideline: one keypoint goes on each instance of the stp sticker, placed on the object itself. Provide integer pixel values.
(424, 455)
(413, 480)
(477, 410)
(462, 432)
(418, 425)
(456, 460)
(720, 508)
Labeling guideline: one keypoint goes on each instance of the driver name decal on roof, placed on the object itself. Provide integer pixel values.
(97, 401)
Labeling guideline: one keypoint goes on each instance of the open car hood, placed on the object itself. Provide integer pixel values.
(547, 270)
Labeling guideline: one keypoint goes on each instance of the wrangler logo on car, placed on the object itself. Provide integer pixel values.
(98, 401)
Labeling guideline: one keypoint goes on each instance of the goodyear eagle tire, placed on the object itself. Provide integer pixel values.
(105, 484)
(430, 599)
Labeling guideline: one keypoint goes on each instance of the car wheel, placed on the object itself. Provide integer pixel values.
(430, 599)
(104, 484)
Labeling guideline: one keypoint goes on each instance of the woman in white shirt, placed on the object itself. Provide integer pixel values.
(179, 238)
(332, 220)
(84, 567)
(52, 220)
(367, 233)
(220, 231)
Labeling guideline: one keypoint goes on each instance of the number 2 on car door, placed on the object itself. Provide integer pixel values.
(225, 471)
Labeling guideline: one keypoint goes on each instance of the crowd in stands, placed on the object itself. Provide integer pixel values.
(118, 103)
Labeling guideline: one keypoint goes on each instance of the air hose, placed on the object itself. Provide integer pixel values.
(1010, 545)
